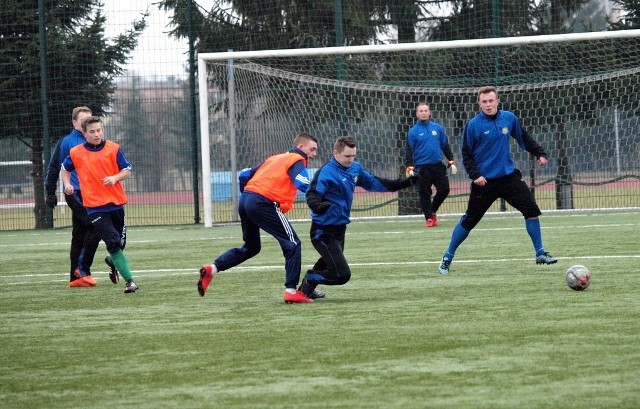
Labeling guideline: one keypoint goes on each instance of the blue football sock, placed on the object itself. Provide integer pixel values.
(457, 237)
(533, 228)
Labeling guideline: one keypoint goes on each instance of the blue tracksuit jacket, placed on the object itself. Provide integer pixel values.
(426, 144)
(485, 145)
(335, 183)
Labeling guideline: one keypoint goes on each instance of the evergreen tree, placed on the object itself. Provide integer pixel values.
(630, 11)
(81, 65)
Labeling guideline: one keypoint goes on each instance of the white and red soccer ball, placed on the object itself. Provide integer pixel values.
(578, 277)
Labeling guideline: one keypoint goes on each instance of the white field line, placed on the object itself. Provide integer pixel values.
(162, 273)
(238, 239)
(192, 271)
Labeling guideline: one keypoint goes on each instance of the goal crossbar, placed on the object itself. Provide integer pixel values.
(432, 45)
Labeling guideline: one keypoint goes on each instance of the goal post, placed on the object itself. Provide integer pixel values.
(578, 94)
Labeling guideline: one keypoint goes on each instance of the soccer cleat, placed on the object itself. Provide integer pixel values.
(298, 297)
(82, 276)
(435, 218)
(79, 282)
(131, 287)
(431, 223)
(113, 274)
(316, 294)
(545, 258)
(309, 290)
(444, 266)
(206, 275)
(90, 280)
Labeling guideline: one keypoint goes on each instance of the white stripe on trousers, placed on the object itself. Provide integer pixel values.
(286, 224)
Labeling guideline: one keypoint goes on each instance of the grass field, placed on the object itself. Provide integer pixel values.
(498, 332)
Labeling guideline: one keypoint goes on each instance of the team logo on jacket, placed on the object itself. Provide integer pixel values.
(434, 133)
(505, 130)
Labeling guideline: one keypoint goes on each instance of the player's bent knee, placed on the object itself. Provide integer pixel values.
(532, 213)
(343, 277)
(469, 223)
(114, 247)
(251, 251)
(291, 249)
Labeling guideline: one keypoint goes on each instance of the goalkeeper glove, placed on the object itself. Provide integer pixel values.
(51, 200)
(410, 171)
(454, 168)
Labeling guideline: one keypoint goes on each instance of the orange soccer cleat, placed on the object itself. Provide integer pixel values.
(298, 297)
(79, 282)
(431, 223)
(206, 275)
(84, 277)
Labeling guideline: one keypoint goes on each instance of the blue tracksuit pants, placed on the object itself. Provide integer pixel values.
(257, 212)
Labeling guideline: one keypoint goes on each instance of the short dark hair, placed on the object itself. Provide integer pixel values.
(90, 120)
(343, 142)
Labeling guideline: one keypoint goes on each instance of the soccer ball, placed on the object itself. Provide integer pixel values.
(578, 277)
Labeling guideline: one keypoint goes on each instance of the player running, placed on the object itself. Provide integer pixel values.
(268, 192)
(330, 197)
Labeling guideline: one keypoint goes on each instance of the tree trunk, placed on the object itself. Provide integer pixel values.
(405, 16)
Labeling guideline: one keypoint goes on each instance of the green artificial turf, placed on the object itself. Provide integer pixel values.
(498, 332)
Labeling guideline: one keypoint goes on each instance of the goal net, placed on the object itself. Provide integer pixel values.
(577, 94)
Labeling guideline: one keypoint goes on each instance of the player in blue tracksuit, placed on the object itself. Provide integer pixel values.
(426, 144)
(83, 243)
(486, 156)
(330, 197)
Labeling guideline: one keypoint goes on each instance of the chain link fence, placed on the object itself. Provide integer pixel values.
(133, 62)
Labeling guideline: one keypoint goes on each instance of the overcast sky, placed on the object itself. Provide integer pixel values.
(157, 55)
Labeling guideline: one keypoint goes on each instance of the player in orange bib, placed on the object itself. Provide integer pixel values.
(268, 192)
(101, 166)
